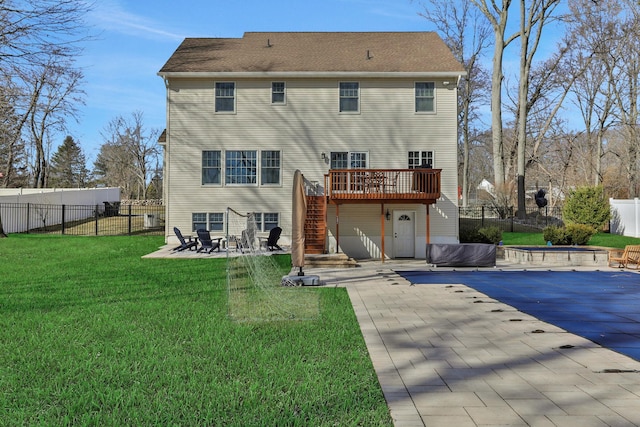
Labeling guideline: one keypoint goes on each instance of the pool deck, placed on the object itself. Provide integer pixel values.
(444, 360)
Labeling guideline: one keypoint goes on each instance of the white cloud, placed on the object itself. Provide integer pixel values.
(110, 15)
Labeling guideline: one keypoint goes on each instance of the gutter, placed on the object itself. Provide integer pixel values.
(311, 74)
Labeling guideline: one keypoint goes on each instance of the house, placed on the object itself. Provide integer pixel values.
(369, 118)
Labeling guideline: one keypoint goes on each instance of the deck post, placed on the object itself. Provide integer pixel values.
(338, 228)
(382, 218)
(428, 226)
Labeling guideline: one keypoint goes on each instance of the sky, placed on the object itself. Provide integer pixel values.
(134, 38)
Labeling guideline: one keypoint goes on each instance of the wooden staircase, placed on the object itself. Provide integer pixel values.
(315, 228)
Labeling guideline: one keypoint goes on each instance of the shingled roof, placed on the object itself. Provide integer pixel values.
(315, 52)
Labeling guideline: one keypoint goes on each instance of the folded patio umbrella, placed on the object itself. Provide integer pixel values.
(299, 216)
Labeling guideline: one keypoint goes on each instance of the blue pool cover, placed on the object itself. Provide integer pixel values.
(603, 307)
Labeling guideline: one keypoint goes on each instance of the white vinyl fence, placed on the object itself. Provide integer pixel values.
(41, 206)
(625, 217)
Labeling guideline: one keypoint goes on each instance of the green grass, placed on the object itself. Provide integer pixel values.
(91, 334)
(600, 239)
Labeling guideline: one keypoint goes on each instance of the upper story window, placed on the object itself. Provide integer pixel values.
(425, 97)
(270, 167)
(420, 159)
(278, 93)
(349, 160)
(225, 97)
(349, 97)
(241, 167)
(211, 167)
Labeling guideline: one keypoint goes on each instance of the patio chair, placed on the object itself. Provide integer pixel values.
(246, 242)
(630, 255)
(207, 244)
(184, 244)
(272, 241)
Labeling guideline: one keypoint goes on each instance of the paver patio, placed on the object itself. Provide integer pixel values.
(443, 359)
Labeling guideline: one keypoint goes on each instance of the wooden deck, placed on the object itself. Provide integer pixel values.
(382, 185)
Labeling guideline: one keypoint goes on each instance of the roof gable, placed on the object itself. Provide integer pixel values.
(369, 52)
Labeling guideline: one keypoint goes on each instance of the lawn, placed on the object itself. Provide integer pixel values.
(92, 334)
(600, 239)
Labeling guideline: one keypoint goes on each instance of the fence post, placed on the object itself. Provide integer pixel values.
(28, 216)
(546, 216)
(512, 217)
(129, 220)
(482, 217)
(96, 211)
(63, 212)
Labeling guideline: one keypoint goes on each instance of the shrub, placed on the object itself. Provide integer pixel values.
(491, 234)
(470, 235)
(555, 235)
(484, 235)
(572, 234)
(579, 234)
(586, 205)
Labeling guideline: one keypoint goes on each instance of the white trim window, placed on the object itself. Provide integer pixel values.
(270, 167)
(215, 221)
(425, 97)
(349, 97)
(225, 97)
(278, 93)
(211, 167)
(420, 159)
(198, 221)
(266, 221)
(349, 159)
(241, 167)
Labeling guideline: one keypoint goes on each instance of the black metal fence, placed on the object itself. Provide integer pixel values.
(110, 219)
(114, 219)
(507, 220)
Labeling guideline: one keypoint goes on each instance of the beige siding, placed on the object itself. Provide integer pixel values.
(308, 125)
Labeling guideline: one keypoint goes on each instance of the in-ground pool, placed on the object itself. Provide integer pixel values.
(557, 255)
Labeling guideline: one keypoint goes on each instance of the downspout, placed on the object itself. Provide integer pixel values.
(166, 159)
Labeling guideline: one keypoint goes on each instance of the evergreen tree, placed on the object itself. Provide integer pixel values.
(68, 166)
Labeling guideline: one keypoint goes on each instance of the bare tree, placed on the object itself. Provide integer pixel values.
(39, 43)
(467, 35)
(33, 30)
(498, 16)
(593, 93)
(534, 16)
(56, 96)
(128, 156)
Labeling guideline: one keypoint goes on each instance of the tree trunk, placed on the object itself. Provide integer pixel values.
(496, 111)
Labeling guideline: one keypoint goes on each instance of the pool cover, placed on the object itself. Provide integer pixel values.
(603, 307)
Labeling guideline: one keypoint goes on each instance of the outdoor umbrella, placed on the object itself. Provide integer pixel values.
(299, 216)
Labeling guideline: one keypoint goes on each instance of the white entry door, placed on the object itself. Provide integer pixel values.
(404, 234)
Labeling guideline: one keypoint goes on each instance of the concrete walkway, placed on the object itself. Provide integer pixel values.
(447, 355)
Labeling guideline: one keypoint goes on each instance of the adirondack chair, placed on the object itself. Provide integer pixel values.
(207, 244)
(272, 241)
(184, 244)
(630, 255)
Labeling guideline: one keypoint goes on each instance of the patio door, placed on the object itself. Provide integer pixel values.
(404, 234)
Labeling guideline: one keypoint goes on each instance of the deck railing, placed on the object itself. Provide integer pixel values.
(371, 185)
